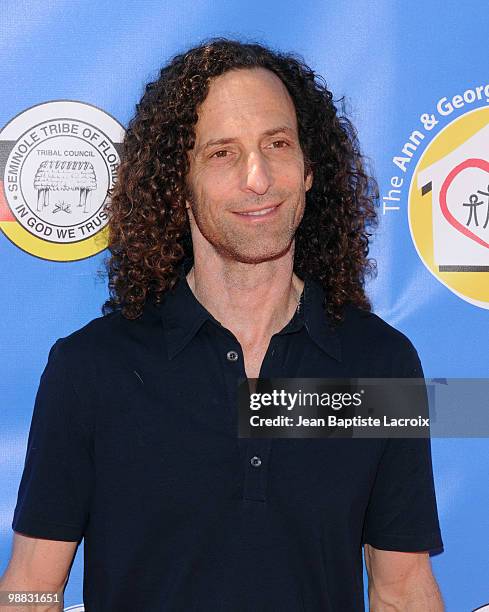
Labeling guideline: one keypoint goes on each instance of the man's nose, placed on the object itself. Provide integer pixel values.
(258, 174)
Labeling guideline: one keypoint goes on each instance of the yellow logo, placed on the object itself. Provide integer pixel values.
(57, 162)
(449, 207)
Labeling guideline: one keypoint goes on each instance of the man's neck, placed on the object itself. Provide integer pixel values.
(253, 301)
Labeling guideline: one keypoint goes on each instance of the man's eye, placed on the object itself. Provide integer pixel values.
(280, 143)
(219, 153)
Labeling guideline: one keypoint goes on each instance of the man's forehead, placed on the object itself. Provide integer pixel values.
(243, 97)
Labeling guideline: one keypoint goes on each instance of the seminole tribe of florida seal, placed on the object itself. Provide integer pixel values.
(58, 161)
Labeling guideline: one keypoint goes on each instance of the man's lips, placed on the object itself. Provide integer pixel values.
(257, 213)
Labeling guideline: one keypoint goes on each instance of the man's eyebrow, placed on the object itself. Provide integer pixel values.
(271, 132)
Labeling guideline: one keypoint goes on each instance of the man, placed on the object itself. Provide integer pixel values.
(238, 233)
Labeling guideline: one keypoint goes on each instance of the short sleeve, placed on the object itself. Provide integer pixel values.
(402, 511)
(54, 493)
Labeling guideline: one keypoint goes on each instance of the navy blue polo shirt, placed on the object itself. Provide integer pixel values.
(133, 446)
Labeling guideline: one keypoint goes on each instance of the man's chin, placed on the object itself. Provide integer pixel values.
(255, 255)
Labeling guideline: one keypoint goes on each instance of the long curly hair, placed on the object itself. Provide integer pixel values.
(148, 227)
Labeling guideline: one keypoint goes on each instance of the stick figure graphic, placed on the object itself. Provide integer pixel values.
(473, 202)
(486, 193)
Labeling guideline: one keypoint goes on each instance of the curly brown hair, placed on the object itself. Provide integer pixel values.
(149, 232)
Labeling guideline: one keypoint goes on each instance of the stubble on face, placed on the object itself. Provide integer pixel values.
(253, 243)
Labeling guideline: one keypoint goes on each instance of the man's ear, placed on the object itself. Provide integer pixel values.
(309, 179)
(188, 210)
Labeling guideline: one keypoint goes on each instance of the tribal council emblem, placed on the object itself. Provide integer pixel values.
(449, 207)
(57, 162)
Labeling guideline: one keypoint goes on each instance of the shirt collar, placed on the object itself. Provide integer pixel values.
(183, 315)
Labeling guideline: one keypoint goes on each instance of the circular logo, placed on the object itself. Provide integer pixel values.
(449, 207)
(57, 162)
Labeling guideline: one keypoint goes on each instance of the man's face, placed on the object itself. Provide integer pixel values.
(246, 157)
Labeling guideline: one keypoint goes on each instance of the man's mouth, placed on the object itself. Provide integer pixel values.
(260, 213)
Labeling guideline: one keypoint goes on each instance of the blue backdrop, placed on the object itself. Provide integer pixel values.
(393, 62)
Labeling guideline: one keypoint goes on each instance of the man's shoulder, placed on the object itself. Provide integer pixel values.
(370, 326)
(367, 333)
(110, 336)
(95, 332)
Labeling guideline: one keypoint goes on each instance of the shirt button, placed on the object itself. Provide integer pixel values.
(232, 356)
(255, 461)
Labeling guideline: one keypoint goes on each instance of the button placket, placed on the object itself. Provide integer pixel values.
(255, 452)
